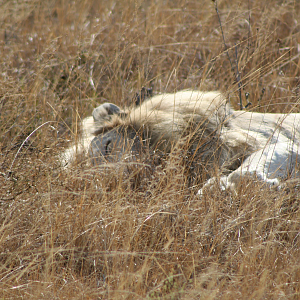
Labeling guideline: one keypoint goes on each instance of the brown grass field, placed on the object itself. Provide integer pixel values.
(144, 234)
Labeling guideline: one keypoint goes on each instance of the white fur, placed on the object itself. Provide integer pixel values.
(82, 146)
(271, 164)
(269, 142)
(277, 155)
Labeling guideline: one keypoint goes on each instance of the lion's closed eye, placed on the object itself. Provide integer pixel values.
(108, 147)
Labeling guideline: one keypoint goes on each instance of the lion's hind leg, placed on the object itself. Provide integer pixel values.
(270, 165)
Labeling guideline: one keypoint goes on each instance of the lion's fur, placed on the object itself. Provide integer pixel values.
(202, 120)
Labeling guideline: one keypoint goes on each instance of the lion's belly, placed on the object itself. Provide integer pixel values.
(268, 128)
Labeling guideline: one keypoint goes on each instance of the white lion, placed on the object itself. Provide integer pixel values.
(264, 146)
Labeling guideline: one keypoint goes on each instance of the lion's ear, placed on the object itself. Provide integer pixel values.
(104, 111)
(140, 97)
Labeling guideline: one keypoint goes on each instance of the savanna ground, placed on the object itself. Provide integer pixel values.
(84, 234)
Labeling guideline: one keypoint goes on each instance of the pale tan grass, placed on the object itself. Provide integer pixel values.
(141, 234)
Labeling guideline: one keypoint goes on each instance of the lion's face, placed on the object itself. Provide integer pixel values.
(121, 143)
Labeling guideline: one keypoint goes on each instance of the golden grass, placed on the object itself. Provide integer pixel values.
(86, 234)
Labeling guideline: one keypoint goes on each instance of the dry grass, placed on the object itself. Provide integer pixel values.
(110, 235)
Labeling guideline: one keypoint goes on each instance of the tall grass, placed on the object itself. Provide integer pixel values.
(86, 234)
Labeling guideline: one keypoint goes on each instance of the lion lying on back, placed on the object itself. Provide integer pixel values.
(238, 143)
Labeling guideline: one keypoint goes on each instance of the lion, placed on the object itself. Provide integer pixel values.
(213, 134)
